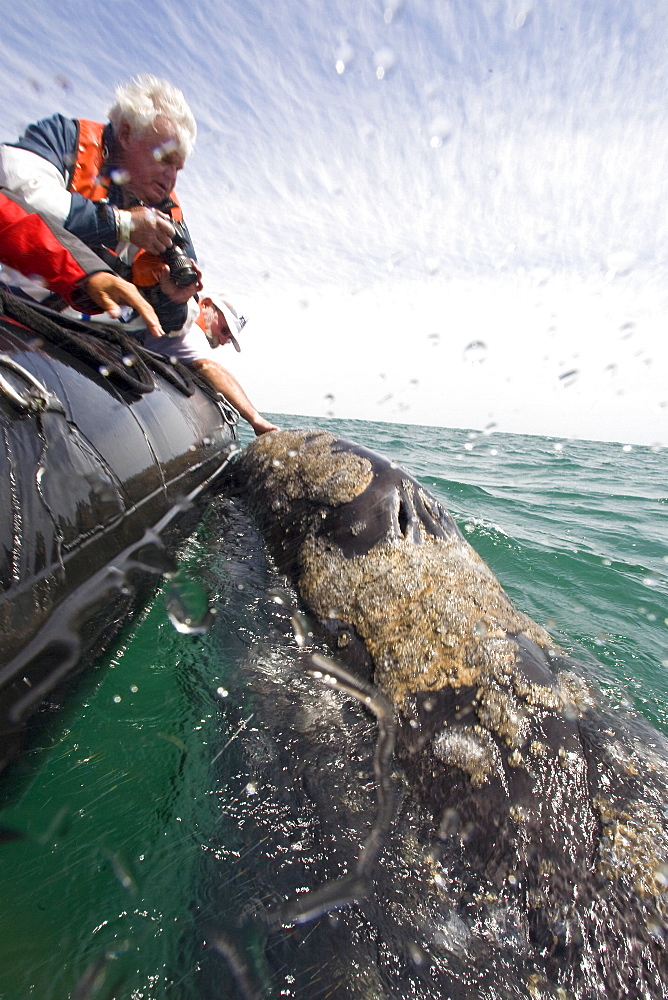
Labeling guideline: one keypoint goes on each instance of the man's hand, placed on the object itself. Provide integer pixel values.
(107, 290)
(175, 292)
(150, 229)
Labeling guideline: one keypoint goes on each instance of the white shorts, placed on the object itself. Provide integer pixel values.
(185, 347)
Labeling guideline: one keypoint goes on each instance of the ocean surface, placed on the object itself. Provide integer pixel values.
(116, 804)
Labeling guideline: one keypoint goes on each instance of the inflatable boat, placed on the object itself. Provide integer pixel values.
(105, 451)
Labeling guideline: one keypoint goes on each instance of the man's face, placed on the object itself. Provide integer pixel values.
(218, 331)
(151, 160)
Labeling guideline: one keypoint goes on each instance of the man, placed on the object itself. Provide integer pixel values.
(219, 322)
(34, 246)
(113, 187)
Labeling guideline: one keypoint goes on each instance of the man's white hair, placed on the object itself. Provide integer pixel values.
(144, 99)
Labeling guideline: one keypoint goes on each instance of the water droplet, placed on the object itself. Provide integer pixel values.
(475, 352)
(396, 259)
(165, 149)
(620, 263)
(392, 8)
(222, 692)
(150, 555)
(652, 580)
(120, 177)
(301, 629)
(439, 130)
(279, 597)
(117, 698)
(384, 60)
(128, 360)
(417, 954)
(627, 447)
(480, 628)
(251, 788)
(123, 873)
(187, 607)
(343, 56)
(661, 876)
(104, 370)
(450, 823)
(569, 378)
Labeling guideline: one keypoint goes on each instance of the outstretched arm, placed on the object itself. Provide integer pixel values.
(225, 382)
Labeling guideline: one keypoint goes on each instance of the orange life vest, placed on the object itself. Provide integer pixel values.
(90, 156)
(88, 181)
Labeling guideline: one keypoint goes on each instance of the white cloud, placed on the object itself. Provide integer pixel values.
(534, 225)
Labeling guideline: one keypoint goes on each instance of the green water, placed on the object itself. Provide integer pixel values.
(114, 801)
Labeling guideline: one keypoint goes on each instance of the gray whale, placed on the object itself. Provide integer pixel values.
(527, 854)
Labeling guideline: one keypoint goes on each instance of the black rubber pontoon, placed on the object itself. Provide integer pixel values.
(105, 448)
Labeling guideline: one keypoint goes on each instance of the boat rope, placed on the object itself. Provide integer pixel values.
(115, 354)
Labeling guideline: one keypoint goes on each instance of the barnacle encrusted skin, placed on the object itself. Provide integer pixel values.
(290, 469)
(431, 615)
(472, 750)
(634, 847)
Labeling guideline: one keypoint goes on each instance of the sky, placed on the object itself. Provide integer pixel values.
(436, 213)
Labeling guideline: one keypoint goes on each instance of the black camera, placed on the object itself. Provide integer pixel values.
(180, 265)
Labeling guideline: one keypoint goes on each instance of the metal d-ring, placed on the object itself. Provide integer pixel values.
(36, 399)
(230, 414)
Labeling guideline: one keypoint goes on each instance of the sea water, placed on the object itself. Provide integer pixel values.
(109, 813)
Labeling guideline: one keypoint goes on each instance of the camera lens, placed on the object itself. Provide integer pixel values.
(181, 270)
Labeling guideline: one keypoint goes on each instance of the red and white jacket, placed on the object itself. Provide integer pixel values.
(44, 250)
